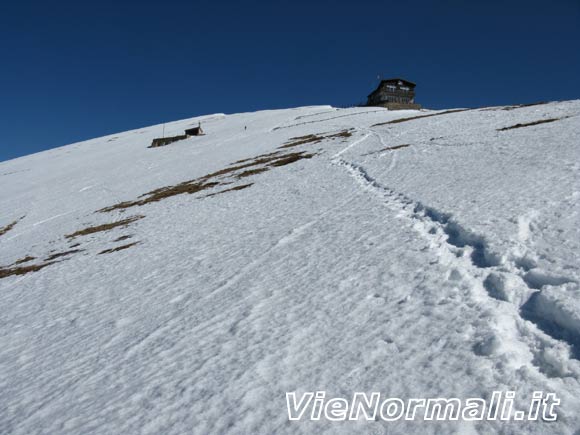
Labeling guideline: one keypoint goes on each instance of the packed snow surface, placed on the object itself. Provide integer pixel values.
(187, 288)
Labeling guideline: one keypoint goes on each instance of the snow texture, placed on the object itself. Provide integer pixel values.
(433, 257)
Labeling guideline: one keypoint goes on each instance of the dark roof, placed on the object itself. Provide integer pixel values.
(396, 79)
(193, 130)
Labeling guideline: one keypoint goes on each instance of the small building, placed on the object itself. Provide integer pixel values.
(195, 131)
(162, 141)
(394, 94)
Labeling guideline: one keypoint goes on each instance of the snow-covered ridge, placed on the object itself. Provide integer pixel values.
(186, 288)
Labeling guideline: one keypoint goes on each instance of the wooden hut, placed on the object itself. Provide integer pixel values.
(394, 94)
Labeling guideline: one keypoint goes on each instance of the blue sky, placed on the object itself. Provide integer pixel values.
(76, 70)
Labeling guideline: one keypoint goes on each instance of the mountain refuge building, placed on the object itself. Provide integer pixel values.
(394, 94)
(162, 141)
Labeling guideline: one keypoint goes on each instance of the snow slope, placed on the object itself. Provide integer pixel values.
(172, 290)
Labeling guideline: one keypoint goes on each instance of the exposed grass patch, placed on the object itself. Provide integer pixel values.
(189, 187)
(243, 168)
(253, 159)
(251, 172)
(397, 121)
(291, 158)
(397, 147)
(119, 206)
(528, 124)
(393, 148)
(119, 248)
(11, 225)
(62, 254)
(305, 137)
(301, 140)
(225, 171)
(343, 133)
(315, 138)
(25, 259)
(22, 270)
(266, 159)
(105, 227)
(231, 189)
(120, 239)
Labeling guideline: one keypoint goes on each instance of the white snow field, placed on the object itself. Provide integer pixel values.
(185, 289)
